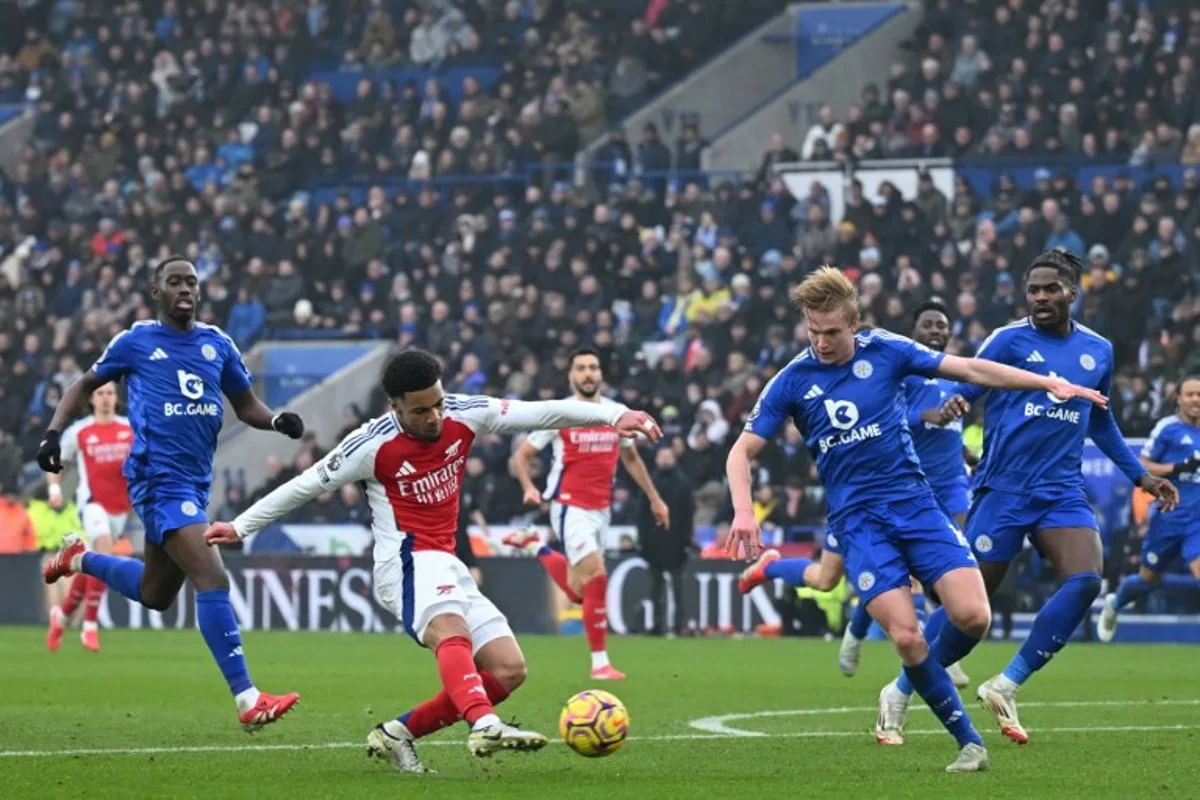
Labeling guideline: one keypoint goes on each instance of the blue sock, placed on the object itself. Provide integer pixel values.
(860, 621)
(122, 575)
(789, 570)
(218, 626)
(933, 683)
(1053, 625)
(947, 644)
(1131, 588)
(919, 607)
(933, 627)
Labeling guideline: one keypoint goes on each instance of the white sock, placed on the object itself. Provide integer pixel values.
(397, 729)
(246, 699)
(485, 721)
(599, 659)
(76, 564)
(90, 626)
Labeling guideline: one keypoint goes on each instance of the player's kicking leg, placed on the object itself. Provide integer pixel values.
(470, 693)
(435, 598)
(501, 668)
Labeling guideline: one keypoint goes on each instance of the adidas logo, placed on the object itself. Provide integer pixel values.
(1035, 358)
(1186, 440)
(158, 354)
(813, 393)
(405, 470)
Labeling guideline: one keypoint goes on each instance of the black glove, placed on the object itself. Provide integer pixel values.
(287, 423)
(49, 453)
(1191, 465)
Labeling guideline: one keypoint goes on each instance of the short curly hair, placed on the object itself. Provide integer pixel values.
(411, 371)
(1068, 265)
(930, 305)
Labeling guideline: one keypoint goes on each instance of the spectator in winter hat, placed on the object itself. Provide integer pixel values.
(710, 422)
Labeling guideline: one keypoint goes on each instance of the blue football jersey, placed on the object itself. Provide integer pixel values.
(939, 448)
(852, 417)
(174, 382)
(1032, 440)
(1173, 441)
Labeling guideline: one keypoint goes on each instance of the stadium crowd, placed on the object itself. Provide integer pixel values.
(418, 212)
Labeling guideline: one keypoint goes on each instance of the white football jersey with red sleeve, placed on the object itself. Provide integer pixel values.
(413, 485)
(99, 450)
(584, 464)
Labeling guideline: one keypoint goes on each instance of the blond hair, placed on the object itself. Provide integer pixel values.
(827, 289)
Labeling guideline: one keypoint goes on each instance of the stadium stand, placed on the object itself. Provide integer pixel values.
(368, 169)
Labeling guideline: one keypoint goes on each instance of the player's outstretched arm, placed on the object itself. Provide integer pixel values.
(636, 468)
(327, 475)
(993, 375)
(744, 529)
(518, 416)
(254, 412)
(49, 454)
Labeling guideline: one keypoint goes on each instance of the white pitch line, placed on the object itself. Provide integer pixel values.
(683, 737)
(718, 724)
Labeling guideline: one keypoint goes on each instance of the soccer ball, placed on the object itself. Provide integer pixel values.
(594, 723)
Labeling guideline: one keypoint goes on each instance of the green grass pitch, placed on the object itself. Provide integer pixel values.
(149, 717)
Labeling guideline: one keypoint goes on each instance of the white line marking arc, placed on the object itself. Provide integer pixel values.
(718, 724)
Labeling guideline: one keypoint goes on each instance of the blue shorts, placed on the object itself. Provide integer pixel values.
(1168, 538)
(168, 507)
(1000, 521)
(885, 543)
(954, 498)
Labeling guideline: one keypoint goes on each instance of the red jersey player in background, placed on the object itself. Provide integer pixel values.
(580, 489)
(98, 444)
(411, 461)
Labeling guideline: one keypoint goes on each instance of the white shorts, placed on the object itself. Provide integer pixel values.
(581, 530)
(97, 522)
(419, 586)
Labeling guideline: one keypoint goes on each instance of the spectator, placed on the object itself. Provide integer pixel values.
(825, 131)
(777, 153)
(665, 550)
(688, 149)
